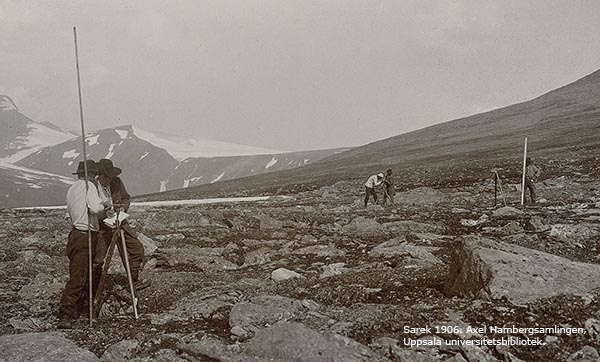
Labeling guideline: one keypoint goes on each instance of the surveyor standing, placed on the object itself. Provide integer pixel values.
(532, 172)
(112, 189)
(370, 185)
(389, 189)
(81, 204)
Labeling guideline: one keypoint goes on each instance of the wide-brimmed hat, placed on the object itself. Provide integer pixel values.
(105, 167)
(380, 175)
(91, 168)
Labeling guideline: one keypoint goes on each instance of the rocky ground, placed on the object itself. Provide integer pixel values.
(316, 277)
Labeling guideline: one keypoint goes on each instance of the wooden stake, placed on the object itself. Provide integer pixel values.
(85, 169)
(524, 170)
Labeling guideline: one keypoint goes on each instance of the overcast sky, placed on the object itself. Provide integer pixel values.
(289, 74)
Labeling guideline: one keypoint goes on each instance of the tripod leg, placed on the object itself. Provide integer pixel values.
(129, 279)
(100, 288)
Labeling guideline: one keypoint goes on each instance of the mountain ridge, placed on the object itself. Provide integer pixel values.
(561, 119)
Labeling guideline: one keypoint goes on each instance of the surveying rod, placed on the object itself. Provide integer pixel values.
(524, 170)
(85, 169)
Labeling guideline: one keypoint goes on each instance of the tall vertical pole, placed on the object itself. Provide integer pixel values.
(85, 169)
(524, 170)
(495, 188)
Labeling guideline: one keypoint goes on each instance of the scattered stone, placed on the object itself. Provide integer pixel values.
(586, 354)
(511, 228)
(485, 268)
(574, 232)
(258, 257)
(121, 351)
(261, 311)
(42, 347)
(507, 211)
(269, 223)
(282, 274)
(321, 250)
(420, 196)
(400, 247)
(538, 224)
(150, 245)
(29, 324)
(163, 318)
(287, 341)
(333, 269)
(170, 237)
(279, 235)
(592, 326)
(361, 224)
(375, 208)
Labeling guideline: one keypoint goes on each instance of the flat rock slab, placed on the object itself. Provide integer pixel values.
(264, 310)
(486, 268)
(399, 247)
(295, 342)
(42, 347)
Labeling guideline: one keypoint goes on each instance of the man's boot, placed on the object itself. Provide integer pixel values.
(138, 283)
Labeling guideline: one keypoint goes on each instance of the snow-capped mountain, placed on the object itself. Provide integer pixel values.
(20, 136)
(204, 170)
(149, 168)
(181, 147)
(20, 186)
(144, 165)
(151, 161)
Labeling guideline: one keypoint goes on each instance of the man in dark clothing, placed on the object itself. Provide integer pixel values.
(532, 172)
(83, 205)
(112, 189)
(389, 189)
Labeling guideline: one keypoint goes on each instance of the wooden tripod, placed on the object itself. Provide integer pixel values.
(118, 233)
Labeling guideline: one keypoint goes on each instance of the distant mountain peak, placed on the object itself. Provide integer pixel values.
(7, 104)
(184, 147)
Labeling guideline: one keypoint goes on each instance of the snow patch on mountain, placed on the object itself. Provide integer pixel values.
(110, 151)
(7, 104)
(38, 136)
(92, 139)
(71, 154)
(271, 163)
(218, 178)
(124, 134)
(181, 148)
(35, 175)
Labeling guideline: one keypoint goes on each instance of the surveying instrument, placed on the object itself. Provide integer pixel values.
(118, 234)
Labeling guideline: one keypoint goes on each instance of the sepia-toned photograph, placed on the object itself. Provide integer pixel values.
(299, 180)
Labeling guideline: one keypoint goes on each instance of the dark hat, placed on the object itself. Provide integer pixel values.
(105, 167)
(91, 168)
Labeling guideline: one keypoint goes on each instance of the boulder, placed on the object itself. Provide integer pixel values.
(150, 245)
(574, 232)
(287, 341)
(507, 211)
(263, 310)
(282, 274)
(42, 347)
(258, 257)
(399, 247)
(486, 268)
(121, 351)
(586, 354)
(361, 225)
(333, 269)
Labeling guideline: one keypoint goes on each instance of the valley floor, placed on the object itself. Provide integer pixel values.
(316, 275)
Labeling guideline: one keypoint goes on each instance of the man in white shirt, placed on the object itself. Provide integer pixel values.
(82, 202)
(370, 185)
